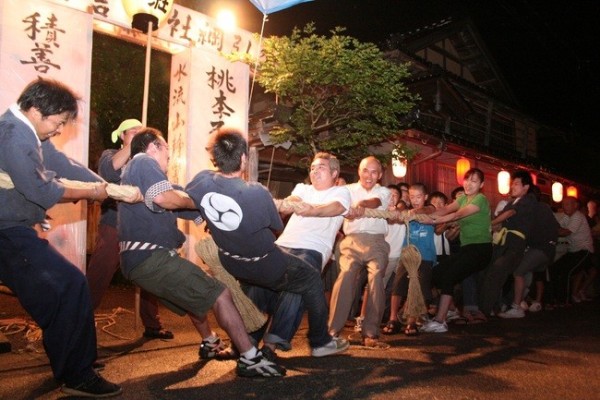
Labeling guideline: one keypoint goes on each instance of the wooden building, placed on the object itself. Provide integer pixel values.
(466, 110)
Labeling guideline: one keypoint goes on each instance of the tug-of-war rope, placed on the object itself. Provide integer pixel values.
(125, 193)
(207, 250)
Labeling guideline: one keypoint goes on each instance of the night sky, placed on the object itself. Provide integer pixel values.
(548, 51)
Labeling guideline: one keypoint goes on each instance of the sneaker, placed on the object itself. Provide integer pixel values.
(269, 354)
(258, 366)
(358, 326)
(217, 349)
(152, 333)
(452, 315)
(535, 307)
(434, 326)
(337, 345)
(97, 387)
(514, 312)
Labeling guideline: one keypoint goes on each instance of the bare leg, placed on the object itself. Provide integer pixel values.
(230, 320)
(395, 307)
(539, 291)
(201, 325)
(519, 289)
(445, 301)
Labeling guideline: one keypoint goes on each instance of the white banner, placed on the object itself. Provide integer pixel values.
(183, 27)
(207, 92)
(40, 39)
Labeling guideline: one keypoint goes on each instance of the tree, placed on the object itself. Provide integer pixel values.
(341, 95)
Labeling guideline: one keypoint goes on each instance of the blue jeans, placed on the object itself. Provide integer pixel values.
(300, 285)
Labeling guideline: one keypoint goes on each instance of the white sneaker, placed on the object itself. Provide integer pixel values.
(535, 307)
(434, 326)
(337, 345)
(514, 312)
(452, 315)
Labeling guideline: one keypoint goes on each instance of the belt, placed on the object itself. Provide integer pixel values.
(500, 236)
(242, 258)
(129, 245)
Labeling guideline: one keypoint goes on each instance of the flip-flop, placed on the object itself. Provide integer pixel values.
(391, 328)
(475, 317)
(411, 330)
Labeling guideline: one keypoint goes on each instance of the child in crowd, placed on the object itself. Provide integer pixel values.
(421, 236)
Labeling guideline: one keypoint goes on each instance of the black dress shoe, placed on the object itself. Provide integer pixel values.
(163, 334)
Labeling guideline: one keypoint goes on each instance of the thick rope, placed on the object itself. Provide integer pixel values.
(253, 319)
(401, 216)
(411, 259)
(118, 192)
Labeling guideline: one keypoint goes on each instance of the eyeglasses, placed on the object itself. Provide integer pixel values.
(56, 121)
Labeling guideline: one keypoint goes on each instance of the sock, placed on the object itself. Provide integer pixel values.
(250, 354)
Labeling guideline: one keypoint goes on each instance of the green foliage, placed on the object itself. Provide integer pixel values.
(343, 94)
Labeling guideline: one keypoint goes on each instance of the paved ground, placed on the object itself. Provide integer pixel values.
(548, 355)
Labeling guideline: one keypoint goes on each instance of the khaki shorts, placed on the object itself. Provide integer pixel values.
(179, 284)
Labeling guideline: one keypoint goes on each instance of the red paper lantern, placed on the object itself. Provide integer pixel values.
(572, 191)
(462, 166)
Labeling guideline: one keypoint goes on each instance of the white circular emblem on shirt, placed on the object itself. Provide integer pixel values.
(223, 211)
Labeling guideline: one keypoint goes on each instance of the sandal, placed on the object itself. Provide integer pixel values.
(475, 317)
(163, 334)
(391, 328)
(411, 330)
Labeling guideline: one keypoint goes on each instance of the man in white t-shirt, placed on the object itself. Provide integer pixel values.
(575, 228)
(363, 246)
(309, 234)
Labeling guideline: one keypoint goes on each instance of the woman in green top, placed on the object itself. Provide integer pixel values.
(472, 213)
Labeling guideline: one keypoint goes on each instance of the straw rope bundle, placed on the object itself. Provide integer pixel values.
(118, 192)
(207, 250)
(125, 193)
(415, 303)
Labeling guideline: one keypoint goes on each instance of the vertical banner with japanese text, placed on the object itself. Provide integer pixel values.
(207, 92)
(41, 39)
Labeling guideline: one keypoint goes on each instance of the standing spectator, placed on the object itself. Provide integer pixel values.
(51, 289)
(363, 246)
(241, 217)
(105, 259)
